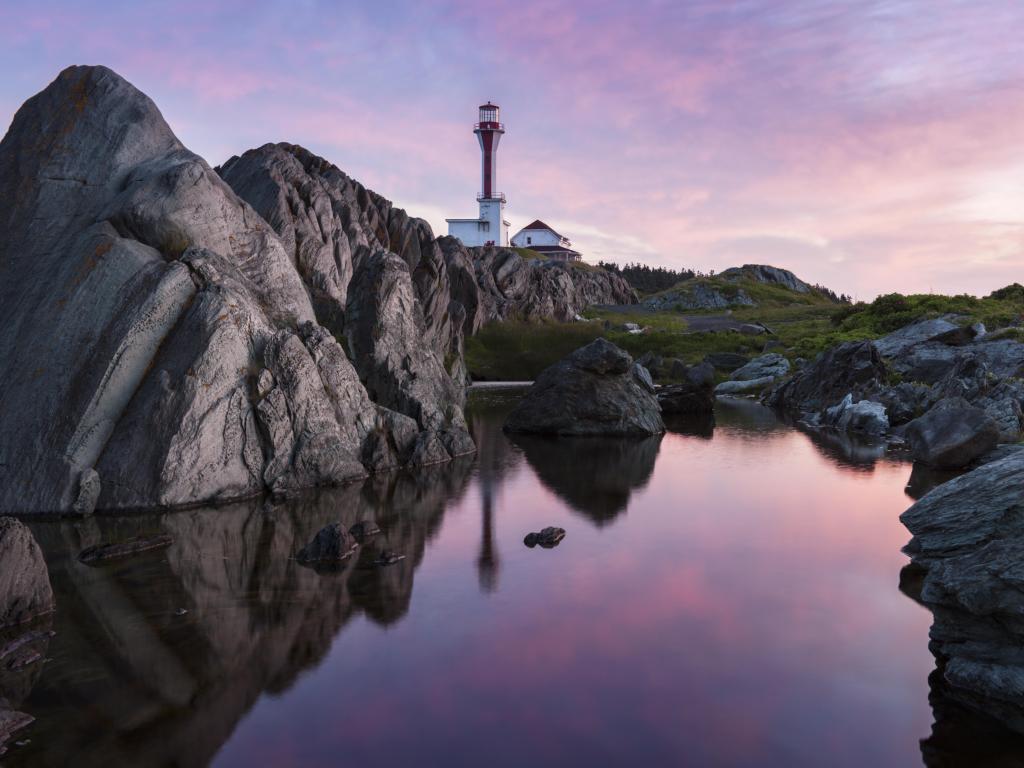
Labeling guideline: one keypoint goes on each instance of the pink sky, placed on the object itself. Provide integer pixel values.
(868, 145)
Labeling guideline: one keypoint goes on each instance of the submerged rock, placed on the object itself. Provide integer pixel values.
(332, 544)
(952, 434)
(25, 592)
(548, 537)
(597, 390)
(122, 549)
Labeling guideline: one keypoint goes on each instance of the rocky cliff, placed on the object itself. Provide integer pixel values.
(163, 345)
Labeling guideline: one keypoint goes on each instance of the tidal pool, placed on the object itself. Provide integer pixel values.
(726, 595)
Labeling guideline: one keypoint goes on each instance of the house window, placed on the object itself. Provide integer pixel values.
(529, 241)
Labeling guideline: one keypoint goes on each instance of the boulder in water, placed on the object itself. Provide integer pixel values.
(332, 544)
(597, 390)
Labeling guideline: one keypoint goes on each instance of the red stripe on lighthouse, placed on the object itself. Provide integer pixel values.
(487, 142)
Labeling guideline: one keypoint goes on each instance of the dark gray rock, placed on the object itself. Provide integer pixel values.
(905, 401)
(694, 394)
(854, 368)
(548, 537)
(900, 341)
(597, 390)
(699, 295)
(967, 547)
(332, 544)
(952, 434)
(25, 592)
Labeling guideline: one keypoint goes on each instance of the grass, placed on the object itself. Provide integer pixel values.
(804, 324)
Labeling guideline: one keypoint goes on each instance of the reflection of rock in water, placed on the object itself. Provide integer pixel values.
(691, 424)
(923, 478)
(845, 449)
(594, 475)
(962, 737)
(134, 681)
(747, 414)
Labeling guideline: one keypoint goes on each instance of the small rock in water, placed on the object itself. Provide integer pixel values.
(331, 545)
(363, 530)
(103, 552)
(547, 538)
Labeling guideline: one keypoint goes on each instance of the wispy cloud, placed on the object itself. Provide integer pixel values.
(871, 145)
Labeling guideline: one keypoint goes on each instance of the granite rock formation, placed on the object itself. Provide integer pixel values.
(166, 346)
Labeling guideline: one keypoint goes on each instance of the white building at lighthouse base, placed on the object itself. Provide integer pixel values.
(490, 228)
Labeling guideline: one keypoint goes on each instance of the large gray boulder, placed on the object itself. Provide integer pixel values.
(597, 390)
(25, 592)
(762, 273)
(952, 434)
(966, 551)
(159, 340)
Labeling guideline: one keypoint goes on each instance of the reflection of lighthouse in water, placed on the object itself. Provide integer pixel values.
(487, 563)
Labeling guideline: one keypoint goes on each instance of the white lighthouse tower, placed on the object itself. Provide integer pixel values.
(490, 228)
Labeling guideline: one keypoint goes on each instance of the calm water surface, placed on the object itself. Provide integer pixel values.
(727, 594)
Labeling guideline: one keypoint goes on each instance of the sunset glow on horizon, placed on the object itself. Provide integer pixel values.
(870, 146)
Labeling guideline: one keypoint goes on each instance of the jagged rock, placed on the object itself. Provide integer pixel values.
(863, 417)
(727, 361)
(853, 368)
(498, 284)
(332, 544)
(695, 394)
(905, 401)
(952, 434)
(597, 390)
(161, 335)
(762, 273)
(677, 369)
(968, 543)
(548, 537)
(25, 591)
(770, 365)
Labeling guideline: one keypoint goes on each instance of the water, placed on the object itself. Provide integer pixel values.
(727, 594)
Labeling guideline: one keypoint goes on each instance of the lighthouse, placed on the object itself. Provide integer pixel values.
(490, 227)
